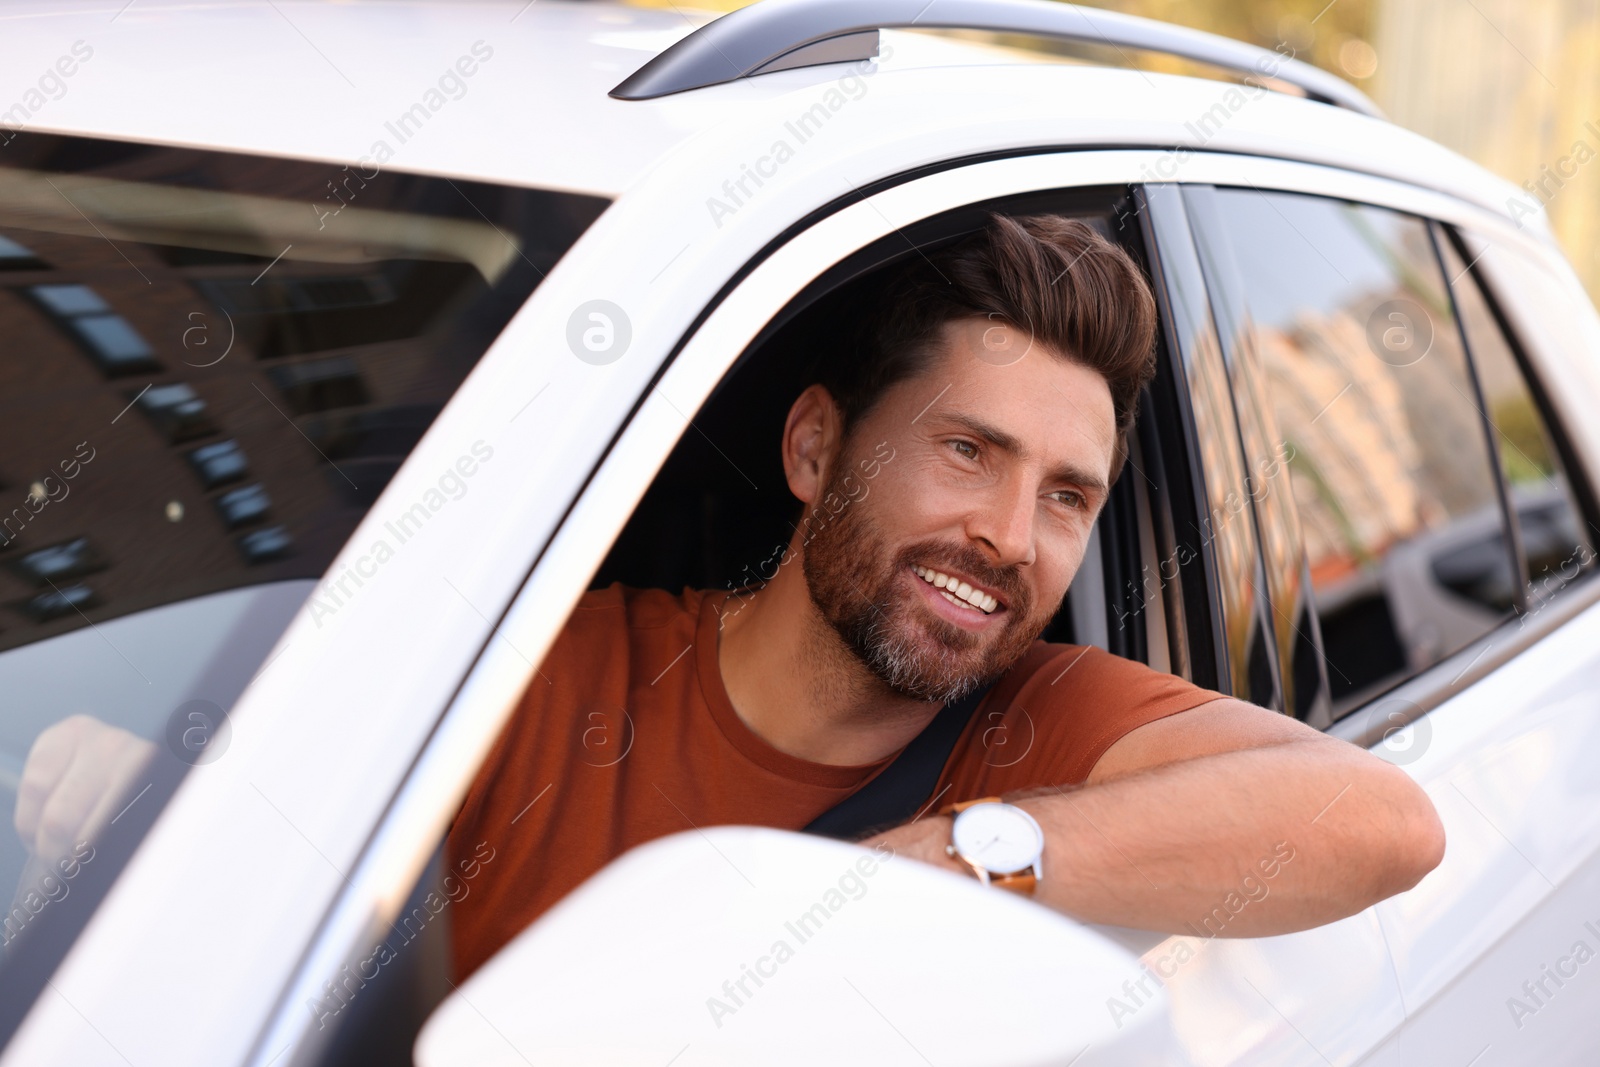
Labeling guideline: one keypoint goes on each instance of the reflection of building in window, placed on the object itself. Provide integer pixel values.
(1395, 494)
(108, 337)
(1344, 415)
(248, 382)
(1386, 452)
(14, 256)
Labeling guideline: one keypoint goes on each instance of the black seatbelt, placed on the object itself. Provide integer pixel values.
(902, 787)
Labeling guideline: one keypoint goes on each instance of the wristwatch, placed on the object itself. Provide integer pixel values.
(1000, 842)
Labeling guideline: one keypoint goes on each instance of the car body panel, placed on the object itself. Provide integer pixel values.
(283, 860)
(1497, 761)
(327, 81)
(327, 737)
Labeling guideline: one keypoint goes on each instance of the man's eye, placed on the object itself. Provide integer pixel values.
(966, 448)
(1070, 497)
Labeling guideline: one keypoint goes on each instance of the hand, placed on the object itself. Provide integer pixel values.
(79, 774)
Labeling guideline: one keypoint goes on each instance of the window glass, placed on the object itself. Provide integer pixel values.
(1281, 579)
(1368, 384)
(1553, 542)
(210, 365)
(1221, 527)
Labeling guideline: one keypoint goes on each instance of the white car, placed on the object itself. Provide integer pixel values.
(343, 346)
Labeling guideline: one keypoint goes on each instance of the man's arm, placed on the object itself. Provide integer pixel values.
(1185, 823)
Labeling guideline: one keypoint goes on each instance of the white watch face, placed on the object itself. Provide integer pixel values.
(1000, 838)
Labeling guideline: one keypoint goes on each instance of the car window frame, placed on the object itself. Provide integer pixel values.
(612, 491)
(1508, 513)
(1140, 631)
(1291, 582)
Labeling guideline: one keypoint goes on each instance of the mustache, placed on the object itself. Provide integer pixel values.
(968, 560)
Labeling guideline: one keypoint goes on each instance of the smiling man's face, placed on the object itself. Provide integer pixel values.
(955, 560)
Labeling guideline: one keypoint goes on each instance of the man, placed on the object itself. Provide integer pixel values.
(951, 471)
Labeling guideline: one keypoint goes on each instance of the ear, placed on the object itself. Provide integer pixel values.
(811, 438)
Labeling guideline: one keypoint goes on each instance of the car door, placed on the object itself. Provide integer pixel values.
(340, 774)
(1126, 602)
(1427, 550)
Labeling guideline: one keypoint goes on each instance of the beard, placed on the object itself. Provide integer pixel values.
(857, 584)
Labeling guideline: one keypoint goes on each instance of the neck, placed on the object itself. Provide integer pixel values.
(794, 682)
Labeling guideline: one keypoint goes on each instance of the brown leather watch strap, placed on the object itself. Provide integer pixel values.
(963, 805)
(1022, 882)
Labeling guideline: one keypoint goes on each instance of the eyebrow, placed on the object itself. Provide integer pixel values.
(1007, 443)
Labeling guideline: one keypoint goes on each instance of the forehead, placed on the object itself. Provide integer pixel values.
(1056, 407)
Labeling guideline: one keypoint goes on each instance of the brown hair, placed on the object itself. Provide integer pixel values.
(1075, 291)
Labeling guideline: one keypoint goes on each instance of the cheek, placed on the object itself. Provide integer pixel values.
(1060, 557)
(912, 493)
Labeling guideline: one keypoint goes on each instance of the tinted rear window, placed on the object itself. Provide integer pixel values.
(210, 366)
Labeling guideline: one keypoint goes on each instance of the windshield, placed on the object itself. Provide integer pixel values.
(210, 365)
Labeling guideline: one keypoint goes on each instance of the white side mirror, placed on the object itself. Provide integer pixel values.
(742, 946)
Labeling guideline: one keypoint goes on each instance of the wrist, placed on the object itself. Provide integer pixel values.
(925, 840)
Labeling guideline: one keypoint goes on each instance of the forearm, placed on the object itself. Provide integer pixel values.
(1246, 843)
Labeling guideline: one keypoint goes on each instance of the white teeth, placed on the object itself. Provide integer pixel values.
(956, 591)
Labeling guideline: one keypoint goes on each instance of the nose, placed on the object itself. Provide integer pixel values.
(1002, 523)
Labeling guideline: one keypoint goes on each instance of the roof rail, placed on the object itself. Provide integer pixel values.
(781, 34)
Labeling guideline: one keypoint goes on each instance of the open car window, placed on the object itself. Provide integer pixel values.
(717, 516)
(210, 367)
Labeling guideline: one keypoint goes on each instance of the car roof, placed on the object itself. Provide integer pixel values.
(329, 81)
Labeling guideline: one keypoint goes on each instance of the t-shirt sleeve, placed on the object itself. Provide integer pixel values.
(1073, 706)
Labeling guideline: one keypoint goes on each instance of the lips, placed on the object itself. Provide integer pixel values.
(957, 591)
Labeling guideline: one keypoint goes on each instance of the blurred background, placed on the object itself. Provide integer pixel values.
(1512, 84)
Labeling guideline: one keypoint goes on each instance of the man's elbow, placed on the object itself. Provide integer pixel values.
(1416, 836)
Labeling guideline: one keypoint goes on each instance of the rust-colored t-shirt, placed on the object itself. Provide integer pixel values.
(626, 734)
